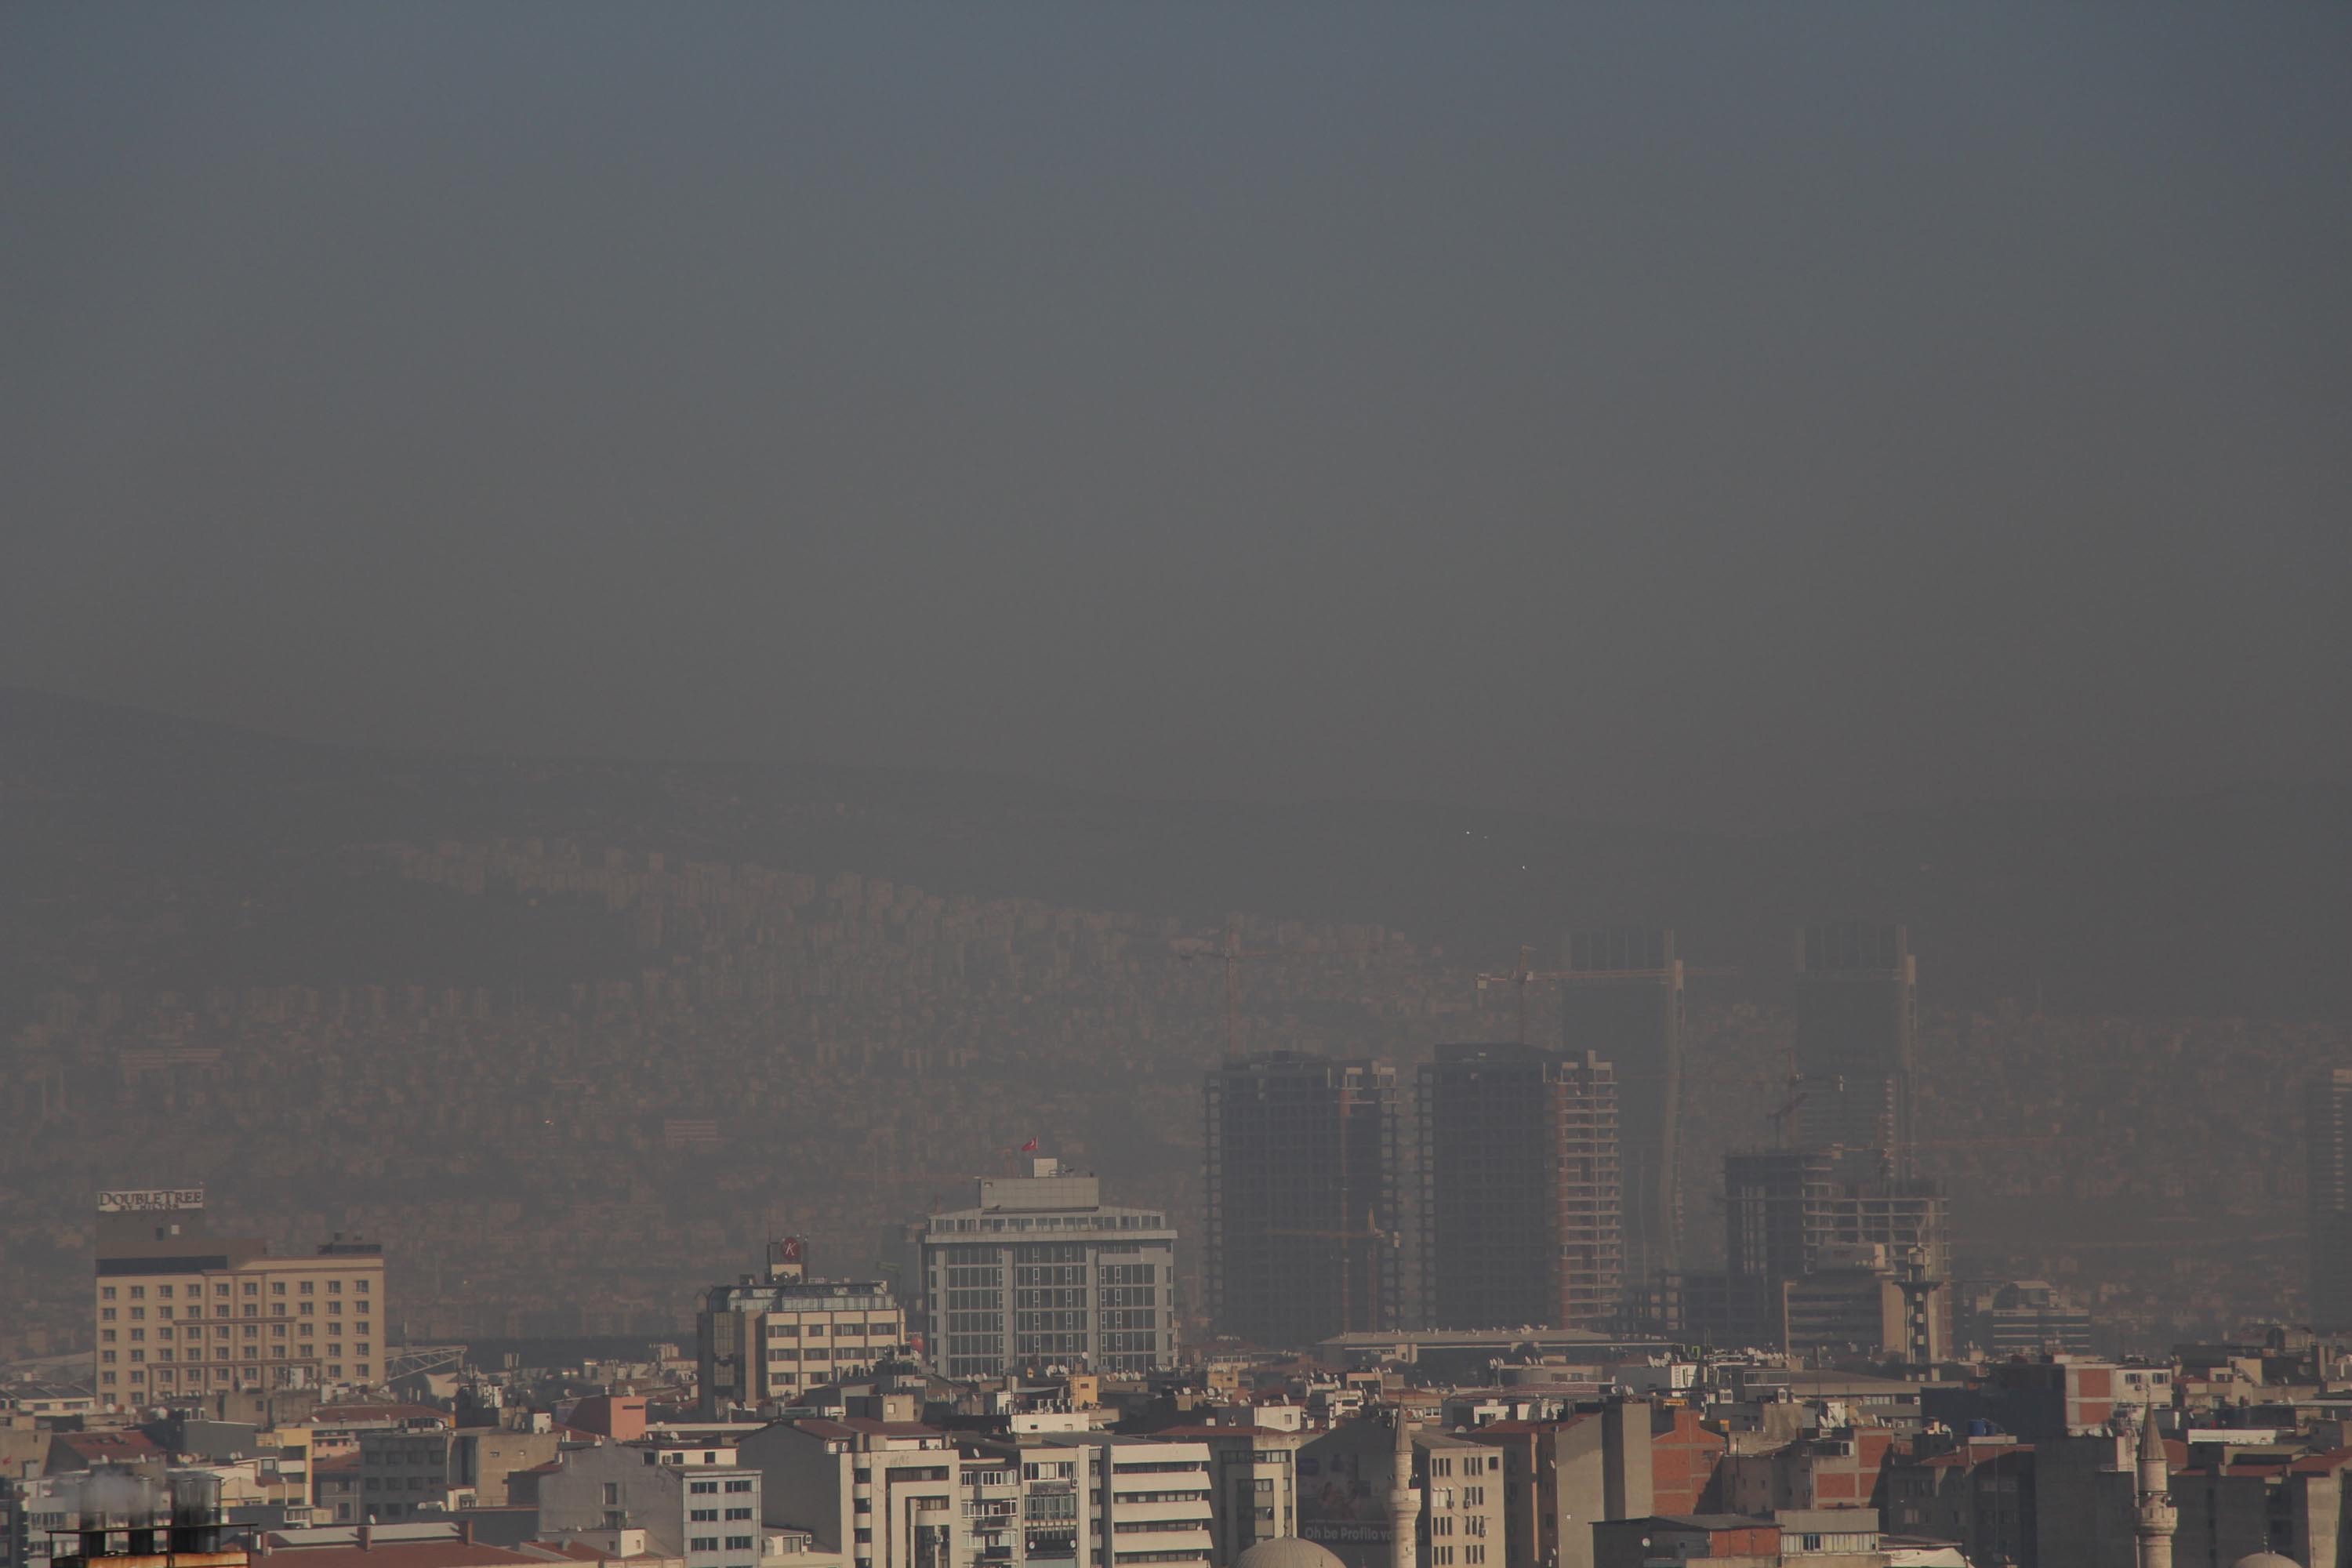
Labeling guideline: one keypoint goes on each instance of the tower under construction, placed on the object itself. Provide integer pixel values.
(1855, 1025)
(1304, 1238)
(1621, 996)
(1520, 1197)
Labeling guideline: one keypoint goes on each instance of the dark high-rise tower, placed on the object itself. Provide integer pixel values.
(2328, 1134)
(1302, 1223)
(1521, 1202)
(1854, 1027)
(1621, 996)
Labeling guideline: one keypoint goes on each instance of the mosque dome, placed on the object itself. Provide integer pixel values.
(1286, 1552)
(2263, 1560)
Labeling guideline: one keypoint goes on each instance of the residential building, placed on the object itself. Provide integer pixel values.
(1304, 1228)
(2023, 1317)
(1346, 1477)
(693, 1501)
(885, 1494)
(1037, 1272)
(1150, 1497)
(2052, 1398)
(1859, 1298)
(773, 1338)
(1834, 1467)
(1253, 1483)
(404, 1470)
(1621, 997)
(1560, 1477)
(1982, 1493)
(1520, 1217)
(180, 1312)
(1856, 1024)
(482, 1459)
(117, 1510)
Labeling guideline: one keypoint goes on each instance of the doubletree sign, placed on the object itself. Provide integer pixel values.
(156, 1200)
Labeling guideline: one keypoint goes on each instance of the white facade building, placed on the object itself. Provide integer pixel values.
(1038, 1272)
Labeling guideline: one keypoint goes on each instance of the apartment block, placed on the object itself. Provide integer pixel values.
(773, 1337)
(692, 1499)
(884, 1494)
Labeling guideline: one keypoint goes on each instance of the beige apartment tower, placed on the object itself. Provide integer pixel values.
(181, 1313)
(770, 1339)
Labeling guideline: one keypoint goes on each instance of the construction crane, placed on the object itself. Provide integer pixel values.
(1520, 978)
(1234, 955)
(1525, 975)
(1784, 1115)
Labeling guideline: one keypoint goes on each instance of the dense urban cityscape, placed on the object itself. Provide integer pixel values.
(1738, 1276)
(1043, 785)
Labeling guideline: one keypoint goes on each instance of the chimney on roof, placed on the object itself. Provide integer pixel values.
(466, 1531)
(367, 1538)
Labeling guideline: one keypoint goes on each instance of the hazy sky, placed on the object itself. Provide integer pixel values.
(1738, 412)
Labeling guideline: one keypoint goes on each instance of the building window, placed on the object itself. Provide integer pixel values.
(106, 1292)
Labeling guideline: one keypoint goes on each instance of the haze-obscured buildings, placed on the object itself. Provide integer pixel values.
(1621, 997)
(1520, 1212)
(2327, 1133)
(1856, 1023)
(1303, 1221)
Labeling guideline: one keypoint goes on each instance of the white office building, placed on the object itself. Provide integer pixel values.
(1038, 1272)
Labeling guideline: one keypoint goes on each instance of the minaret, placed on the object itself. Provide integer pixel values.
(1405, 1503)
(2157, 1518)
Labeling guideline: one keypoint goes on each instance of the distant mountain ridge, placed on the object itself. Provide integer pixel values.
(2236, 901)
